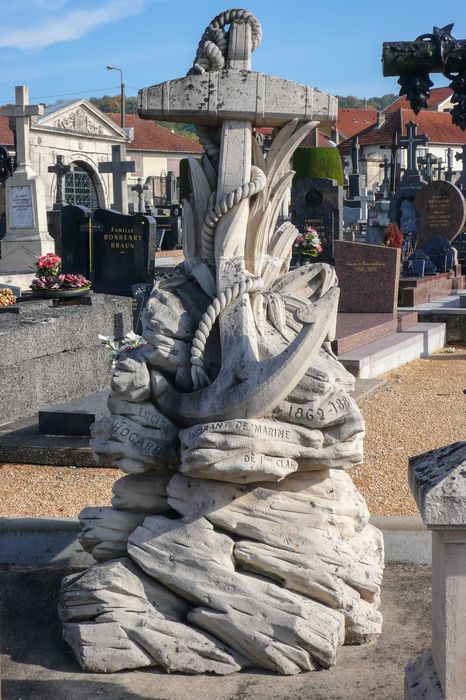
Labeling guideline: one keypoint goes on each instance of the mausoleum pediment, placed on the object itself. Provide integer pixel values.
(80, 117)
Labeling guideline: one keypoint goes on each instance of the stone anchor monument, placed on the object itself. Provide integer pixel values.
(237, 538)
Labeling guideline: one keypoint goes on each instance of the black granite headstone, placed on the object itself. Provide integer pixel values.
(318, 202)
(123, 251)
(440, 251)
(418, 265)
(76, 226)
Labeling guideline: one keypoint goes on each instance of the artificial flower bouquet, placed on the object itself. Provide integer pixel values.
(49, 276)
(308, 243)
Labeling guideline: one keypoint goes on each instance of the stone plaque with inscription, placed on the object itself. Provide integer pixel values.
(442, 208)
(123, 251)
(318, 202)
(368, 277)
(22, 213)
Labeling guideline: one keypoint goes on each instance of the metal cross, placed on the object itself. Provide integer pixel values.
(119, 167)
(461, 182)
(439, 168)
(385, 185)
(393, 148)
(428, 161)
(140, 189)
(22, 112)
(60, 170)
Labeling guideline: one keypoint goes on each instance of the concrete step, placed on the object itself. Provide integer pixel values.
(388, 353)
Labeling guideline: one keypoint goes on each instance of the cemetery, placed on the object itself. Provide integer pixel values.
(232, 456)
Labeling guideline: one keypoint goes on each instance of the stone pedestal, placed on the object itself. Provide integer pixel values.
(438, 482)
(26, 223)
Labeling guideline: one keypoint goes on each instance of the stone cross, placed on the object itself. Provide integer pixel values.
(119, 167)
(355, 148)
(60, 170)
(140, 189)
(461, 182)
(411, 141)
(393, 148)
(365, 198)
(22, 112)
(449, 170)
(428, 161)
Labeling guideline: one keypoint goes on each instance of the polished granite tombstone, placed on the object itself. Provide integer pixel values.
(368, 277)
(318, 202)
(442, 210)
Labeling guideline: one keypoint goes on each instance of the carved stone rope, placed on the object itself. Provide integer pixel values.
(211, 55)
(247, 286)
(255, 185)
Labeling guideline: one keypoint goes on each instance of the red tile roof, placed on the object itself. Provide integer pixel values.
(351, 121)
(149, 136)
(6, 134)
(437, 96)
(437, 125)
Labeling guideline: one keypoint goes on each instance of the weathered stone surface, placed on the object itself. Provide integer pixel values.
(105, 531)
(137, 623)
(143, 493)
(438, 482)
(130, 446)
(144, 413)
(131, 378)
(272, 627)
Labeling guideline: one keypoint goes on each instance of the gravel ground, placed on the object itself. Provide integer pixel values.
(420, 407)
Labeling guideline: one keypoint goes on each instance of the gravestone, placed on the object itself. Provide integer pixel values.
(418, 265)
(368, 277)
(123, 250)
(442, 211)
(26, 220)
(76, 231)
(318, 202)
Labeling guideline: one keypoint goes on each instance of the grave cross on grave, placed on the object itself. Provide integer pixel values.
(384, 188)
(22, 112)
(60, 170)
(119, 167)
(461, 182)
(393, 148)
(411, 141)
(439, 168)
(140, 189)
(428, 161)
(355, 149)
(354, 179)
(449, 170)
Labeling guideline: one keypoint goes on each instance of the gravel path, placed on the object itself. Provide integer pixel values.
(420, 407)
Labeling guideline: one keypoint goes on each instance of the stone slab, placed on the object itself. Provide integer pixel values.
(74, 417)
(357, 329)
(367, 276)
(391, 352)
(42, 666)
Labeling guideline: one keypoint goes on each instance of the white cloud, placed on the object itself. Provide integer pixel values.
(69, 26)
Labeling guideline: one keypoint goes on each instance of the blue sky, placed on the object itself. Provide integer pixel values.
(60, 48)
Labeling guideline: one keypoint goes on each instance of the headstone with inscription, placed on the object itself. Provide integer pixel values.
(442, 211)
(368, 277)
(318, 202)
(26, 220)
(123, 251)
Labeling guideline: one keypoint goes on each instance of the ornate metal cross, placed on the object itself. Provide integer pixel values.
(428, 161)
(60, 170)
(439, 168)
(22, 112)
(119, 167)
(140, 189)
(393, 148)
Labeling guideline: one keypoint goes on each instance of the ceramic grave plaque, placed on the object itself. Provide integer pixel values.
(237, 537)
